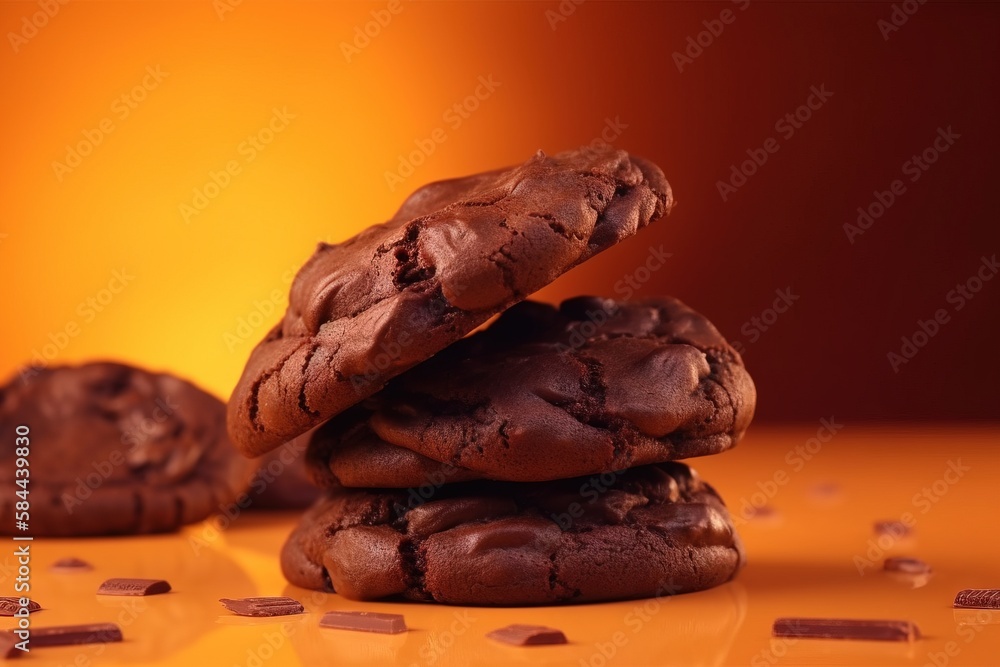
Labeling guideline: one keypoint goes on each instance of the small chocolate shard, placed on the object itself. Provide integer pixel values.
(846, 628)
(978, 598)
(906, 565)
(263, 606)
(364, 621)
(528, 635)
(71, 565)
(896, 529)
(67, 635)
(826, 491)
(10, 606)
(129, 586)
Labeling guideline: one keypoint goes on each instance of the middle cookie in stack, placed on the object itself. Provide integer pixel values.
(529, 463)
(596, 395)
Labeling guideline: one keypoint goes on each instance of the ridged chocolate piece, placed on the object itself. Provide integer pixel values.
(11, 605)
(263, 606)
(128, 586)
(846, 628)
(978, 598)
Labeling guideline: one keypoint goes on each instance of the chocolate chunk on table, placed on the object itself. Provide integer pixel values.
(128, 586)
(845, 628)
(978, 598)
(71, 565)
(262, 606)
(67, 635)
(10, 606)
(364, 621)
(528, 635)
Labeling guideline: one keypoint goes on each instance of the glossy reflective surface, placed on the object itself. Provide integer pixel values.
(813, 552)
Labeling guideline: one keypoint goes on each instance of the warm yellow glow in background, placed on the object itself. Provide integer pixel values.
(320, 178)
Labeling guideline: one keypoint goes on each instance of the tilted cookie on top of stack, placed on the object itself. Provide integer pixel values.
(531, 462)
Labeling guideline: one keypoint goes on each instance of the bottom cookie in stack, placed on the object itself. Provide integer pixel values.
(643, 532)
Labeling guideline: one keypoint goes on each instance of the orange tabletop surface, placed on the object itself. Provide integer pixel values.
(812, 552)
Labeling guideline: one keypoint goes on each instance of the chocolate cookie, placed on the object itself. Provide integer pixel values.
(457, 252)
(115, 450)
(647, 531)
(545, 393)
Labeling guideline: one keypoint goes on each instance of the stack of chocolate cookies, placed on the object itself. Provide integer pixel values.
(531, 462)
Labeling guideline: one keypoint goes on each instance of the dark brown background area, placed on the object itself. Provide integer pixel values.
(828, 354)
(562, 77)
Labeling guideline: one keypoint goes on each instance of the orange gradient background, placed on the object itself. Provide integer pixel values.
(323, 176)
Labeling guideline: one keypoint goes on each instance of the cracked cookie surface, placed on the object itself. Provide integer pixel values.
(116, 450)
(545, 393)
(647, 531)
(456, 253)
